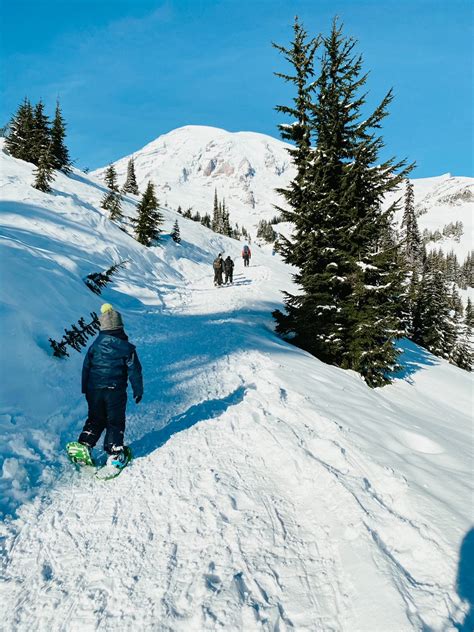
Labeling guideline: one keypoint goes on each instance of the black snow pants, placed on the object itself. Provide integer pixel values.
(217, 277)
(246, 259)
(106, 412)
(229, 274)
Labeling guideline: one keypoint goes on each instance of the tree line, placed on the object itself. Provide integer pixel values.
(31, 136)
(218, 221)
(432, 312)
(358, 289)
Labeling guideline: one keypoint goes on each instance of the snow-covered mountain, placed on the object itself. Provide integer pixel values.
(188, 164)
(269, 491)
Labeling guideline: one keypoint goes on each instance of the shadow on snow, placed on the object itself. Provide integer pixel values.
(209, 409)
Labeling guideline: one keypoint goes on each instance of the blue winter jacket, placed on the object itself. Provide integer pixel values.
(109, 361)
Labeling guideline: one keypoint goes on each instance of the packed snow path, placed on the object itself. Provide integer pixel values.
(255, 501)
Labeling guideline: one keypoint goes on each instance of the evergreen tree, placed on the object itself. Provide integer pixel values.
(343, 243)
(59, 150)
(462, 354)
(131, 185)
(225, 227)
(19, 139)
(148, 220)
(176, 236)
(206, 220)
(469, 314)
(434, 328)
(44, 173)
(110, 178)
(265, 231)
(413, 246)
(216, 214)
(112, 200)
(41, 135)
(300, 55)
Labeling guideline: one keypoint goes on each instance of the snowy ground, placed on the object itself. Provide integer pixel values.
(269, 491)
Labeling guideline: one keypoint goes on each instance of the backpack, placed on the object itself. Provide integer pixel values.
(217, 264)
(246, 251)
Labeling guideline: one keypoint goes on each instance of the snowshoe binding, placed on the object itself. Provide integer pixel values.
(116, 462)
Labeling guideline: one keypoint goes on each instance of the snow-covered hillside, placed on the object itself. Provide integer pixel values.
(188, 164)
(269, 491)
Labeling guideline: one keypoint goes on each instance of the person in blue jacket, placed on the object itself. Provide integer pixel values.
(110, 362)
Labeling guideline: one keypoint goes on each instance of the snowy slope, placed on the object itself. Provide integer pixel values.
(443, 200)
(190, 162)
(269, 490)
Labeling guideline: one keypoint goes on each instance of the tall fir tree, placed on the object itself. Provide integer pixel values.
(112, 200)
(216, 214)
(19, 139)
(343, 242)
(41, 134)
(59, 150)
(148, 220)
(44, 173)
(206, 220)
(462, 354)
(300, 55)
(434, 327)
(131, 185)
(469, 314)
(175, 234)
(412, 243)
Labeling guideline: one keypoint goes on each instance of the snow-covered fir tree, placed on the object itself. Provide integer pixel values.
(41, 135)
(412, 243)
(216, 214)
(112, 200)
(44, 173)
(265, 231)
(206, 220)
(469, 314)
(148, 220)
(131, 185)
(434, 327)
(343, 243)
(225, 221)
(462, 354)
(300, 55)
(175, 234)
(59, 151)
(19, 138)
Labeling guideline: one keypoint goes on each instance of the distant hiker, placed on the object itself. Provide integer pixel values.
(110, 361)
(229, 270)
(246, 254)
(218, 269)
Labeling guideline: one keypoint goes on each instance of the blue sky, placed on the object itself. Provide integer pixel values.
(127, 71)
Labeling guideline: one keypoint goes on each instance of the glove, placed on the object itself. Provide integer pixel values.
(138, 399)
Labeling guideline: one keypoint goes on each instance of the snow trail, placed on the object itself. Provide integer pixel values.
(255, 515)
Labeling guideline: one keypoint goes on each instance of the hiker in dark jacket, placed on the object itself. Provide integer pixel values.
(110, 362)
(218, 269)
(229, 270)
(246, 254)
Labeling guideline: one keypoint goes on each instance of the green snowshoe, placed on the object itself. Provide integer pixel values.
(113, 468)
(79, 454)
